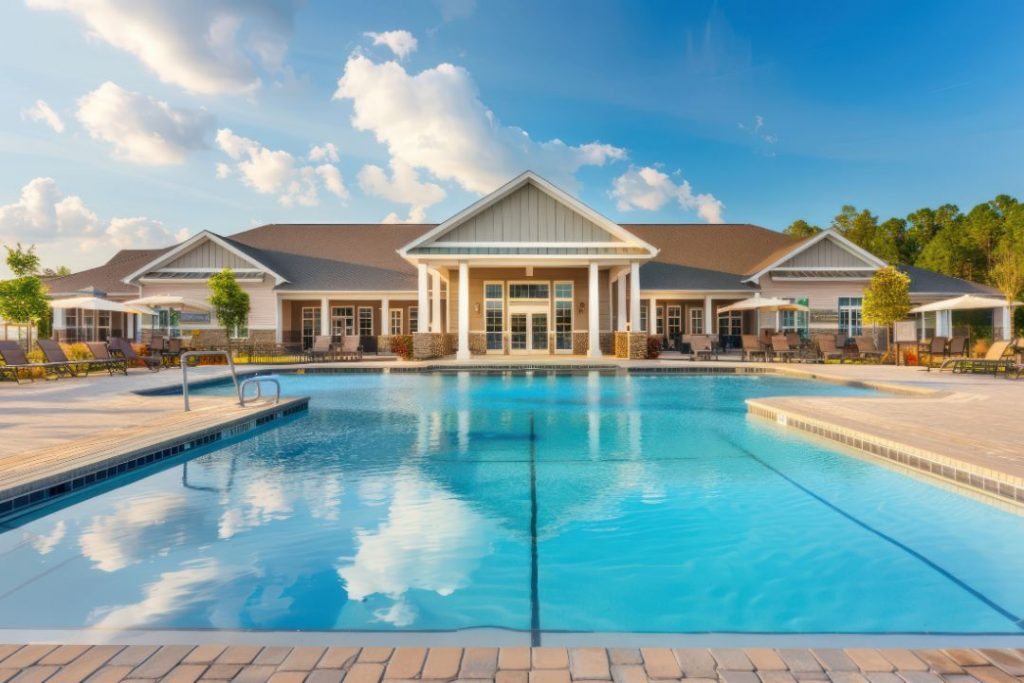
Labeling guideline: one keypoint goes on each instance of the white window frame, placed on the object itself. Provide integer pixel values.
(396, 315)
(668, 318)
(343, 324)
(414, 319)
(553, 322)
(696, 320)
(504, 322)
(360, 319)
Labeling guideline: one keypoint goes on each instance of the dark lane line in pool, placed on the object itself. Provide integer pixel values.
(1016, 620)
(534, 579)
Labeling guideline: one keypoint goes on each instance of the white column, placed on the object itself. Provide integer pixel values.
(1007, 320)
(463, 353)
(423, 317)
(58, 323)
(385, 316)
(435, 301)
(708, 329)
(652, 310)
(325, 316)
(634, 296)
(620, 312)
(594, 314)
(278, 328)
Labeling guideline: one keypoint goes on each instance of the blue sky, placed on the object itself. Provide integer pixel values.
(135, 122)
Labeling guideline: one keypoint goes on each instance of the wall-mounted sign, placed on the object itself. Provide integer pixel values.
(906, 332)
(195, 318)
(824, 316)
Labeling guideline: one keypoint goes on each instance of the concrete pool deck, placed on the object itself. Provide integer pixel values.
(50, 663)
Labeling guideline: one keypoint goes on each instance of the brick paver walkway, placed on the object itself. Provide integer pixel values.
(256, 664)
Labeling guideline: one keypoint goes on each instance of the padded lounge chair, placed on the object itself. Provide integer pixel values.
(999, 357)
(781, 349)
(120, 346)
(350, 348)
(752, 346)
(700, 346)
(867, 350)
(827, 348)
(322, 348)
(15, 361)
(101, 356)
(933, 348)
(54, 354)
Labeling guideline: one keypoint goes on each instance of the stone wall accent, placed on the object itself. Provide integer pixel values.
(215, 338)
(579, 343)
(607, 343)
(427, 345)
(477, 343)
(631, 345)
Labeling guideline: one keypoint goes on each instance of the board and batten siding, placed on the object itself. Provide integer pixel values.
(825, 254)
(262, 299)
(210, 256)
(528, 215)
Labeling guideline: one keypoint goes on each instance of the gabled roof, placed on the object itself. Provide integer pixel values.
(238, 249)
(617, 234)
(109, 277)
(780, 257)
(726, 247)
(929, 282)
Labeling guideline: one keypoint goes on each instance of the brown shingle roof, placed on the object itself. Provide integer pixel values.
(729, 248)
(106, 277)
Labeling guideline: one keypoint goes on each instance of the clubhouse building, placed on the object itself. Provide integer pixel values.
(527, 269)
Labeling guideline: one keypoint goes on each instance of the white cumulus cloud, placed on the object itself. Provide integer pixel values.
(326, 152)
(204, 46)
(649, 189)
(223, 170)
(403, 187)
(278, 172)
(402, 43)
(435, 120)
(41, 112)
(142, 129)
(142, 233)
(43, 213)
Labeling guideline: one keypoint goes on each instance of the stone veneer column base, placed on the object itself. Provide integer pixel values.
(631, 345)
(427, 345)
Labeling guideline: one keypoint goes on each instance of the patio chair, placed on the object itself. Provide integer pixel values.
(120, 346)
(827, 348)
(867, 350)
(999, 357)
(932, 348)
(15, 361)
(54, 354)
(794, 340)
(322, 348)
(350, 348)
(700, 346)
(101, 356)
(171, 353)
(781, 349)
(752, 347)
(957, 352)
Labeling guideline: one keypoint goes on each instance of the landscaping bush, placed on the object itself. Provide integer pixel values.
(76, 351)
(653, 347)
(401, 346)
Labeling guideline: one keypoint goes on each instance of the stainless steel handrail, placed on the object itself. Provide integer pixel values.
(258, 381)
(195, 354)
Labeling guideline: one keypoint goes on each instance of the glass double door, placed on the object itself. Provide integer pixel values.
(528, 330)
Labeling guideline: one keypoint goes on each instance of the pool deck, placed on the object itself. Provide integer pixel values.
(49, 663)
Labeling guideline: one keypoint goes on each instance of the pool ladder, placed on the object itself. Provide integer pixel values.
(258, 380)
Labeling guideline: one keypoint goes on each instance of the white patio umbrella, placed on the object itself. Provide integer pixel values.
(967, 302)
(95, 303)
(170, 301)
(763, 303)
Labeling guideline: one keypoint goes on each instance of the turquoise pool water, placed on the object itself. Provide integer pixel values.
(544, 503)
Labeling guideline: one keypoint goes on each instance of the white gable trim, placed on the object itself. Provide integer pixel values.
(863, 254)
(629, 239)
(191, 242)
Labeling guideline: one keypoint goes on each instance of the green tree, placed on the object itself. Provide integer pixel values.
(59, 271)
(887, 298)
(23, 298)
(1007, 273)
(801, 228)
(887, 242)
(923, 225)
(230, 302)
(984, 226)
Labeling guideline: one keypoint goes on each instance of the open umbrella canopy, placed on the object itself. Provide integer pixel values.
(967, 302)
(763, 303)
(95, 303)
(170, 301)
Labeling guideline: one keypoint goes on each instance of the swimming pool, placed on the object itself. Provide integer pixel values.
(541, 503)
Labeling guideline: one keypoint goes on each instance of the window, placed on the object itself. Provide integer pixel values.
(396, 321)
(494, 315)
(794, 321)
(563, 316)
(71, 325)
(730, 324)
(644, 317)
(414, 319)
(675, 321)
(241, 331)
(343, 322)
(365, 321)
(310, 325)
(696, 321)
(528, 290)
(850, 315)
(659, 321)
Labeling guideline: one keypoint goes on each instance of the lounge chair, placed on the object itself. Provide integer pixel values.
(934, 347)
(957, 352)
(101, 356)
(350, 348)
(827, 348)
(170, 354)
(15, 361)
(781, 349)
(700, 345)
(999, 357)
(54, 354)
(322, 348)
(120, 346)
(752, 347)
(867, 350)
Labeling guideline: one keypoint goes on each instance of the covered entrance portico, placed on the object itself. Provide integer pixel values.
(529, 270)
